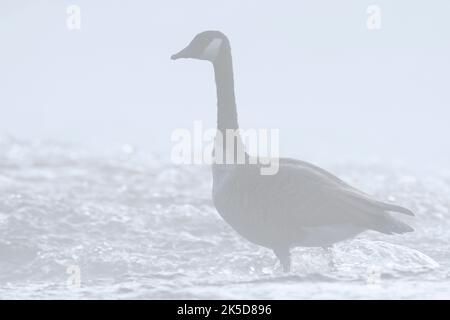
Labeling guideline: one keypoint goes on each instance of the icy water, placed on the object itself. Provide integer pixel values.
(136, 227)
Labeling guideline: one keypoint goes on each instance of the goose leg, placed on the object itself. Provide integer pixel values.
(330, 255)
(284, 255)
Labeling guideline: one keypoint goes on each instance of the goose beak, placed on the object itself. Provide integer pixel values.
(182, 54)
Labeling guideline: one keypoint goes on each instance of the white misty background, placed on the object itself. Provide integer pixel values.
(310, 68)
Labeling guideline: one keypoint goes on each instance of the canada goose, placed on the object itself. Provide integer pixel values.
(301, 205)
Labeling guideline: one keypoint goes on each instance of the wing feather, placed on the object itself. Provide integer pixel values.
(311, 196)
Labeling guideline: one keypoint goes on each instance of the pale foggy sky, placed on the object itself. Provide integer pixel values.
(310, 68)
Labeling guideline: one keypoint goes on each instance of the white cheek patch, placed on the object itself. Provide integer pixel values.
(213, 49)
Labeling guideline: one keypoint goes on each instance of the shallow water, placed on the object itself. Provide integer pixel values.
(138, 227)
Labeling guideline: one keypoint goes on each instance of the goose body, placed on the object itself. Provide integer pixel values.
(300, 205)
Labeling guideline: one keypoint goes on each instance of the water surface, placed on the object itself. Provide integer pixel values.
(138, 227)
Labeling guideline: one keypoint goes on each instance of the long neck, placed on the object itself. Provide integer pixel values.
(227, 121)
(226, 101)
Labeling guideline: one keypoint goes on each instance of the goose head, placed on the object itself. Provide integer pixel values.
(207, 45)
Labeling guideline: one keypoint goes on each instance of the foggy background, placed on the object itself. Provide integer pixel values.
(370, 106)
(335, 89)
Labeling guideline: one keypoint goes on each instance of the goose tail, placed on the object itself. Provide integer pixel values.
(394, 226)
(395, 208)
